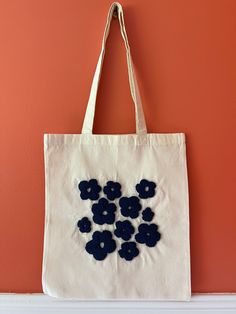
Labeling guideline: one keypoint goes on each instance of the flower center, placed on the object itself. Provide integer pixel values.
(129, 207)
(148, 234)
(129, 251)
(102, 244)
(88, 190)
(146, 188)
(105, 212)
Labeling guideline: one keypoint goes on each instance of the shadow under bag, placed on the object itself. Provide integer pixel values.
(117, 210)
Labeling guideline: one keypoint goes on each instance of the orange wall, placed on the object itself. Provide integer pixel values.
(185, 54)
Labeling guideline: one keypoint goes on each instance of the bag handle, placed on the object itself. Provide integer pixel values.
(90, 111)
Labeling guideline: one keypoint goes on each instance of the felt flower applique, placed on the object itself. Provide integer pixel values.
(130, 206)
(104, 212)
(146, 188)
(124, 230)
(89, 189)
(112, 190)
(128, 251)
(84, 225)
(101, 245)
(148, 234)
(147, 214)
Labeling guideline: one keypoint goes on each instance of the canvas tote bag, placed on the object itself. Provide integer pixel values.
(117, 212)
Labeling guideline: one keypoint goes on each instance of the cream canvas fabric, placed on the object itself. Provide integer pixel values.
(161, 268)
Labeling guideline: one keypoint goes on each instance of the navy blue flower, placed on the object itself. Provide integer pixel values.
(148, 234)
(112, 190)
(104, 212)
(130, 206)
(89, 189)
(128, 251)
(148, 214)
(146, 188)
(84, 225)
(101, 245)
(124, 230)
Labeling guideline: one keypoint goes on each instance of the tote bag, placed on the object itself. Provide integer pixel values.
(117, 212)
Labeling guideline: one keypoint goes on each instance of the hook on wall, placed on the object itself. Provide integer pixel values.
(115, 12)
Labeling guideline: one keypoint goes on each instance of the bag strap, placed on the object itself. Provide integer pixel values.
(90, 111)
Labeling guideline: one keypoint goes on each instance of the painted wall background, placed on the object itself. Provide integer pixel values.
(184, 52)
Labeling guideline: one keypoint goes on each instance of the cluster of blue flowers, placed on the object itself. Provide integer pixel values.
(104, 212)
